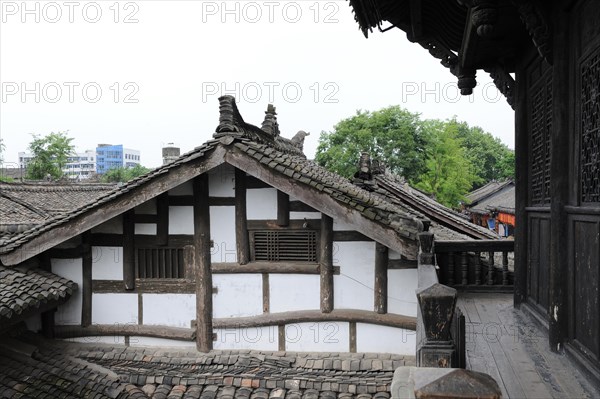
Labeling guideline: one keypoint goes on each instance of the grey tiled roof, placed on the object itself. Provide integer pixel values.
(24, 291)
(502, 200)
(280, 154)
(486, 190)
(85, 370)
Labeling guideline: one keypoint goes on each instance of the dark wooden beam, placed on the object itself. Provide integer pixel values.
(183, 334)
(253, 182)
(399, 264)
(312, 224)
(242, 240)
(349, 235)
(266, 293)
(145, 218)
(299, 206)
(326, 263)
(416, 21)
(107, 240)
(48, 324)
(283, 208)
(310, 316)
(559, 183)
(86, 286)
(65, 253)
(381, 278)
(162, 225)
(146, 286)
(204, 309)
(269, 267)
(474, 246)
(129, 250)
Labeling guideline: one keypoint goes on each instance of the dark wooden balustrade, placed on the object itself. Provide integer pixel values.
(476, 265)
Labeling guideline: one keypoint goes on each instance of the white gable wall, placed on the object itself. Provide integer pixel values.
(70, 312)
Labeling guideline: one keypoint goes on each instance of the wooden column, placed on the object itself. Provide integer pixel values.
(559, 181)
(204, 336)
(283, 208)
(129, 250)
(241, 220)
(86, 286)
(381, 278)
(326, 263)
(162, 225)
(521, 186)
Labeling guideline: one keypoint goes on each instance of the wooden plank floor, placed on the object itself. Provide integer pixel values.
(506, 344)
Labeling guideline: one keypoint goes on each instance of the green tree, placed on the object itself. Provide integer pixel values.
(491, 158)
(449, 172)
(50, 155)
(392, 134)
(123, 174)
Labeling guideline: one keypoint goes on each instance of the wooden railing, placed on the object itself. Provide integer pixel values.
(481, 265)
(440, 323)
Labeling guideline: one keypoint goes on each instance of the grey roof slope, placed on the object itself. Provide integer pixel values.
(446, 224)
(502, 200)
(84, 370)
(486, 190)
(26, 291)
(277, 153)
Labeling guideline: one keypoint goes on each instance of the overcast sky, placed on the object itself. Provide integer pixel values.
(146, 73)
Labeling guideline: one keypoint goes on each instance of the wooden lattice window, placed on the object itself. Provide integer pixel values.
(284, 245)
(161, 262)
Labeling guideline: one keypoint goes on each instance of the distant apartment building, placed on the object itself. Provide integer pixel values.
(110, 156)
(79, 166)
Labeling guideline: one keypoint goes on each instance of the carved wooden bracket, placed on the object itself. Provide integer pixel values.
(538, 27)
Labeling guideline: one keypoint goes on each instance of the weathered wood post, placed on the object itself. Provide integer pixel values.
(326, 263)
(436, 303)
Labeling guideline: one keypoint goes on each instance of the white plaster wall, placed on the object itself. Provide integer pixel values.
(384, 339)
(162, 342)
(353, 288)
(255, 338)
(221, 181)
(238, 295)
(181, 220)
(145, 228)
(339, 225)
(305, 215)
(402, 298)
(115, 308)
(69, 312)
(261, 203)
(222, 232)
(175, 310)
(317, 337)
(111, 226)
(289, 292)
(183, 189)
(107, 263)
(146, 208)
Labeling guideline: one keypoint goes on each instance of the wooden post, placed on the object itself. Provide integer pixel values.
(326, 263)
(129, 250)
(266, 293)
(464, 268)
(477, 268)
(521, 186)
(381, 278)
(559, 182)
(204, 336)
(162, 225)
(86, 286)
(450, 268)
(491, 268)
(283, 208)
(504, 268)
(241, 220)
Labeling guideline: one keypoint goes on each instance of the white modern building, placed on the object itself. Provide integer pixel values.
(79, 166)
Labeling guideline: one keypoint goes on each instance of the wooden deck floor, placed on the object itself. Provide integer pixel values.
(507, 344)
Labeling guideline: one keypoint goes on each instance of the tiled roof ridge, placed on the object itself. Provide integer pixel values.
(481, 193)
(232, 124)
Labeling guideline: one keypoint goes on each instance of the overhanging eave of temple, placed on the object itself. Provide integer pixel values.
(465, 35)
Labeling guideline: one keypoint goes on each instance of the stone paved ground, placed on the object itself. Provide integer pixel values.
(174, 373)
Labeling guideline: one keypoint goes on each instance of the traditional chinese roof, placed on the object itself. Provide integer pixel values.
(487, 190)
(446, 224)
(261, 153)
(24, 292)
(465, 35)
(26, 205)
(53, 369)
(501, 198)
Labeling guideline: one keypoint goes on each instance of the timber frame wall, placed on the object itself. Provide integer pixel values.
(194, 251)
